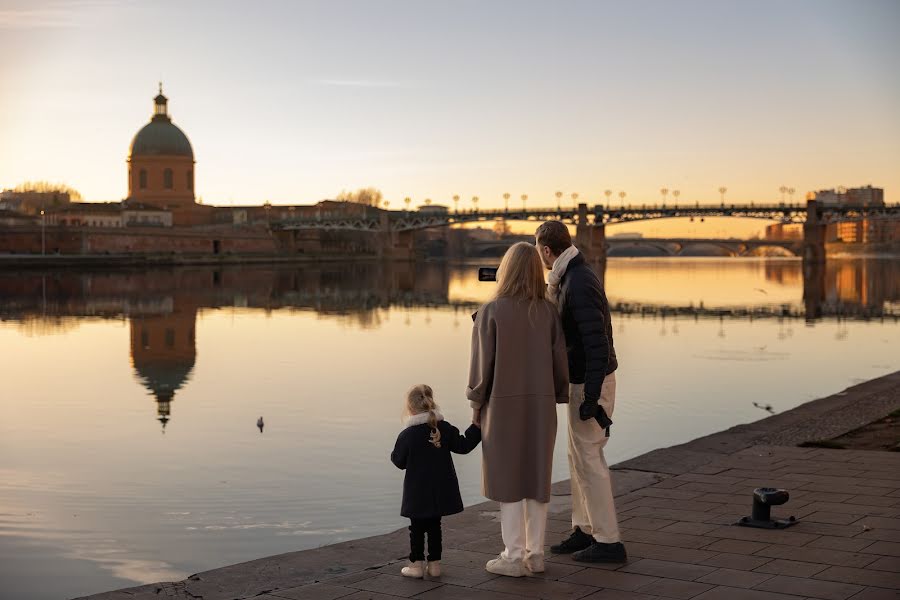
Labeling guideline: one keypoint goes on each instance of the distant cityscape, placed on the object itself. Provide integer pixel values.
(162, 215)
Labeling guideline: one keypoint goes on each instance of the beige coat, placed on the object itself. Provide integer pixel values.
(518, 373)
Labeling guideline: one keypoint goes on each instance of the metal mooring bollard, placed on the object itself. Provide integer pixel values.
(761, 516)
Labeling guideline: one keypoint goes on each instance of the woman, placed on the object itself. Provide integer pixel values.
(518, 373)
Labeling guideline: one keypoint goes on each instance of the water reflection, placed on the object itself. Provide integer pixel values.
(162, 305)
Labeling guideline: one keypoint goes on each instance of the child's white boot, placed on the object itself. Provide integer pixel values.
(434, 568)
(414, 569)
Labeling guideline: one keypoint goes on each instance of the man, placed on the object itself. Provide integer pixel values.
(584, 310)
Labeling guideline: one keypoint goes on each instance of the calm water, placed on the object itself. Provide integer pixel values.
(129, 450)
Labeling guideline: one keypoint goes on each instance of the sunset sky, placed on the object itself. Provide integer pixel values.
(292, 102)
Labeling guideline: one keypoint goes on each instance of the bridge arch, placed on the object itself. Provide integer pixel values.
(691, 247)
(767, 250)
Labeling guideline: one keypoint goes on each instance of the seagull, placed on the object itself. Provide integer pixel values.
(260, 424)
(765, 407)
(761, 291)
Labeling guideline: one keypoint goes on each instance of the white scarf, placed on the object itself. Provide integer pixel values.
(556, 273)
(421, 419)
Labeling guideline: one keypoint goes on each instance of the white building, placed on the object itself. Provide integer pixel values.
(862, 196)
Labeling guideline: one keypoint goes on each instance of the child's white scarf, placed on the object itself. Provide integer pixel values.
(421, 419)
(556, 273)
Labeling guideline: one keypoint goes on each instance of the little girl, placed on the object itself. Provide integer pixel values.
(430, 487)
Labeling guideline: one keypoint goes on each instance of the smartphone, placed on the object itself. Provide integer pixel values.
(487, 273)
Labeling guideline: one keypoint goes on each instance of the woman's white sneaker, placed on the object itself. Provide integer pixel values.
(507, 567)
(415, 570)
(434, 568)
(535, 563)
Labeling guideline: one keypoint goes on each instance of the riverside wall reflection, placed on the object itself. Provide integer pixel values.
(161, 306)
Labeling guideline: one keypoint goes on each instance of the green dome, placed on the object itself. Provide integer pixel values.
(160, 137)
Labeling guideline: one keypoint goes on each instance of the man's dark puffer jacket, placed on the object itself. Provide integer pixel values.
(585, 317)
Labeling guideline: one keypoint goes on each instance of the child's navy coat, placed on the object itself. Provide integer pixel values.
(430, 488)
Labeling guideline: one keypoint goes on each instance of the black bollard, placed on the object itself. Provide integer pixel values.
(761, 513)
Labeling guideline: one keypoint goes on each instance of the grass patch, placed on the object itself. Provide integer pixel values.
(831, 444)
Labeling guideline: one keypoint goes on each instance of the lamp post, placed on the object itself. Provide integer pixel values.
(43, 233)
(387, 203)
(524, 200)
(506, 202)
(783, 189)
(722, 191)
(558, 201)
(406, 201)
(427, 201)
(675, 194)
(791, 194)
(575, 200)
(664, 192)
(622, 198)
(607, 193)
(475, 203)
(456, 203)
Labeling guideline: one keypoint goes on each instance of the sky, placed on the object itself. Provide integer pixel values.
(292, 102)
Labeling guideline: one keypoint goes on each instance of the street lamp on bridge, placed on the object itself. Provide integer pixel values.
(456, 203)
(622, 198)
(664, 192)
(607, 193)
(559, 196)
(791, 194)
(524, 201)
(783, 189)
(722, 191)
(506, 201)
(406, 201)
(675, 194)
(475, 203)
(575, 200)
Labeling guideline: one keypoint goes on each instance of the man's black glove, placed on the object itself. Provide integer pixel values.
(588, 410)
(591, 409)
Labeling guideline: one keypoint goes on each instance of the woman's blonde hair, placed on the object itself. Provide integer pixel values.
(521, 274)
(420, 399)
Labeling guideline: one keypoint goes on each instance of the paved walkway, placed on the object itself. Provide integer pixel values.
(677, 508)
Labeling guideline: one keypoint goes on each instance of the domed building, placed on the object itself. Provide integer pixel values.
(161, 162)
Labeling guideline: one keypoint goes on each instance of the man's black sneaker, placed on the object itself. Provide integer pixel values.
(602, 553)
(579, 540)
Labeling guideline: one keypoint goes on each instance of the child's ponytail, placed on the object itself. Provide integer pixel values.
(420, 399)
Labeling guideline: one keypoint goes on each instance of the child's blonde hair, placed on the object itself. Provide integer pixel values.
(420, 399)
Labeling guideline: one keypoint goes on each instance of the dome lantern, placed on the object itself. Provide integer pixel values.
(160, 106)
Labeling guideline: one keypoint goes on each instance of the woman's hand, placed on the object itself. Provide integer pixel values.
(476, 417)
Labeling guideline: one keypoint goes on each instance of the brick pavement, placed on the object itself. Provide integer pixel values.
(846, 546)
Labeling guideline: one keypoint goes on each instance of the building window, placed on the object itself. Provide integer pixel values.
(142, 179)
(167, 179)
(190, 180)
